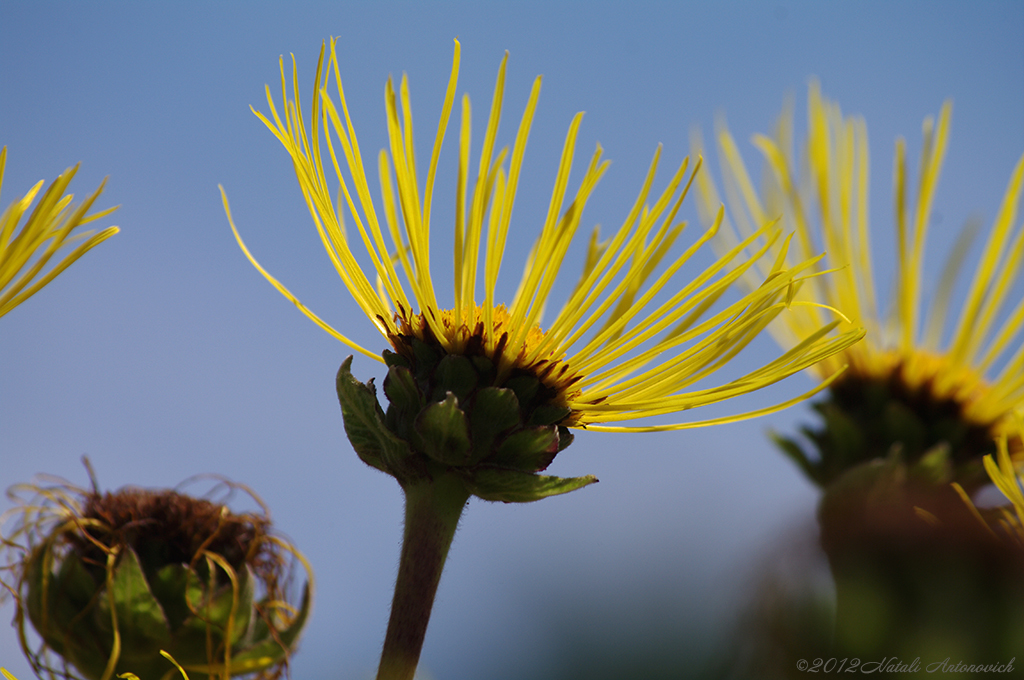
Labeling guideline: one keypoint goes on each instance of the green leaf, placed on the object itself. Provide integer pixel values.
(513, 486)
(492, 411)
(530, 449)
(366, 430)
(444, 432)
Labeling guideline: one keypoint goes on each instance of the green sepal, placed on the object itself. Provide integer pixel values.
(454, 374)
(169, 585)
(444, 432)
(565, 437)
(75, 584)
(491, 411)
(548, 414)
(366, 428)
(513, 486)
(530, 449)
(425, 360)
(405, 402)
(54, 614)
(484, 369)
(140, 618)
(69, 630)
(212, 611)
(935, 466)
(795, 453)
(845, 438)
(264, 648)
(903, 426)
(392, 359)
(525, 387)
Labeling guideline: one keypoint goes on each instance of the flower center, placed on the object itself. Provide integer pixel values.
(166, 527)
(917, 401)
(498, 361)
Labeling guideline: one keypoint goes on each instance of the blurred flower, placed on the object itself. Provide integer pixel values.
(48, 229)
(905, 385)
(1007, 522)
(136, 580)
(616, 351)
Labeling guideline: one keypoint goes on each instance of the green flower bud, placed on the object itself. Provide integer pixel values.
(114, 582)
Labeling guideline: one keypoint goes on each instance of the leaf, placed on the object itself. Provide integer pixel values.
(375, 444)
(513, 486)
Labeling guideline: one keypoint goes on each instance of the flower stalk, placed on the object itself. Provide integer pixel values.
(432, 511)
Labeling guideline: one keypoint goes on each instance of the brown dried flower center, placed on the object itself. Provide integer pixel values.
(166, 527)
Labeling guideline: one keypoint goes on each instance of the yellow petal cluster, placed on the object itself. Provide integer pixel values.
(636, 337)
(25, 253)
(976, 360)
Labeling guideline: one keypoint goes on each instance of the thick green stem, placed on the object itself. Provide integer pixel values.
(432, 511)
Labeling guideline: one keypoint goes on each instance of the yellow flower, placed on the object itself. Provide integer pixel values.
(632, 340)
(970, 382)
(47, 230)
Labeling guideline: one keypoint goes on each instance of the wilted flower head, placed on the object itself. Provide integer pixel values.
(115, 582)
(25, 255)
(632, 340)
(919, 379)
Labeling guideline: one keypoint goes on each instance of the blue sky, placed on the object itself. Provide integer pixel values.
(163, 353)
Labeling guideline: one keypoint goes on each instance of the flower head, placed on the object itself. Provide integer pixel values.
(138, 581)
(917, 380)
(632, 340)
(48, 229)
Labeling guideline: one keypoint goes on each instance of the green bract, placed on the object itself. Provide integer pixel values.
(446, 416)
